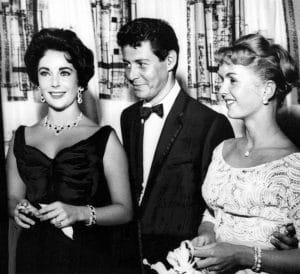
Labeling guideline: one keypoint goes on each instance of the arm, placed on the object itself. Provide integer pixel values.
(206, 233)
(116, 173)
(16, 192)
(121, 209)
(230, 257)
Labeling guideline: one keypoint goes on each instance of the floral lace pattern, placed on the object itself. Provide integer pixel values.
(249, 204)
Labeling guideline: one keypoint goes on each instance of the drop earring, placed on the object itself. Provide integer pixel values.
(79, 95)
(43, 100)
(265, 101)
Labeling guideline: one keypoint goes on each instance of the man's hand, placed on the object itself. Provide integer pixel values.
(286, 240)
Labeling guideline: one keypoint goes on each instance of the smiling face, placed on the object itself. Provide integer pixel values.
(242, 90)
(145, 72)
(57, 79)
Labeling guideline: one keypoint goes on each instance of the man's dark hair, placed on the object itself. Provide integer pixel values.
(158, 32)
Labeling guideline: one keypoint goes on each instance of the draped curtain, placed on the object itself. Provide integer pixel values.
(202, 26)
(210, 26)
(17, 24)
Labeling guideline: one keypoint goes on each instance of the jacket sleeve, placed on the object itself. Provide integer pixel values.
(219, 131)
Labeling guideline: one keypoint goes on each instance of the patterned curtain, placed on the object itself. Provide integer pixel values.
(210, 26)
(292, 14)
(108, 16)
(17, 25)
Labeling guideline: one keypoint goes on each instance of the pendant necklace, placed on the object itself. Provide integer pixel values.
(247, 153)
(58, 129)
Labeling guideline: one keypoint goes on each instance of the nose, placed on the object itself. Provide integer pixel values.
(223, 90)
(131, 73)
(55, 80)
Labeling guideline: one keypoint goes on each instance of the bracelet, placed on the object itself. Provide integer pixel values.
(257, 259)
(92, 219)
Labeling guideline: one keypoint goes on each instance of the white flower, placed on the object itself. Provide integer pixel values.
(181, 259)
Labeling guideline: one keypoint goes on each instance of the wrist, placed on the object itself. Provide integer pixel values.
(92, 215)
(206, 227)
(83, 214)
(245, 256)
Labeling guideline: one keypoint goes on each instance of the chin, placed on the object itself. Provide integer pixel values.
(142, 95)
(233, 115)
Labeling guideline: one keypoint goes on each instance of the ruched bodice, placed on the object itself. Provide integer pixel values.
(75, 176)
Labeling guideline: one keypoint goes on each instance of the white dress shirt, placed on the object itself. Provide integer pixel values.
(152, 130)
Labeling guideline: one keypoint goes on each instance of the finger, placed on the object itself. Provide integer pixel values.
(50, 215)
(283, 246)
(198, 241)
(203, 251)
(205, 263)
(56, 222)
(285, 239)
(50, 207)
(20, 223)
(291, 229)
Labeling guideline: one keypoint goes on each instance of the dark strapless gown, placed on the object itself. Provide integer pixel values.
(75, 176)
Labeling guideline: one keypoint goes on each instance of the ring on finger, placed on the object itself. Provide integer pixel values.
(22, 205)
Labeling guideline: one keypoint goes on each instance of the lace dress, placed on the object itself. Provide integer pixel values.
(75, 176)
(249, 204)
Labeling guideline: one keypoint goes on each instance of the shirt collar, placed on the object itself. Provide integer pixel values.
(168, 100)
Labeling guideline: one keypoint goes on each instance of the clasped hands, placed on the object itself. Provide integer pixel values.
(59, 214)
(228, 258)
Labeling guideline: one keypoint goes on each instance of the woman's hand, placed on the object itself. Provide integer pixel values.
(204, 239)
(206, 235)
(223, 257)
(60, 214)
(25, 213)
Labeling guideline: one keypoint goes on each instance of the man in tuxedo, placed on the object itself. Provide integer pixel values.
(168, 136)
(169, 139)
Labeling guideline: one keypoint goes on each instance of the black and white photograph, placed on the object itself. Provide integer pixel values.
(149, 137)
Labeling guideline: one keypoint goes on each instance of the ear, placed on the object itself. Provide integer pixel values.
(171, 59)
(269, 90)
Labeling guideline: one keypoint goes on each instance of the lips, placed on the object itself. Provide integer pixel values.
(57, 94)
(229, 101)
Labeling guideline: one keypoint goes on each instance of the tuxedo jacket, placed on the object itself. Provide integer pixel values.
(172, 205)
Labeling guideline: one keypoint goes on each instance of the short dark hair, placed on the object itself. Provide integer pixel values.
(61, 40)
(271, 61)
(158, 32)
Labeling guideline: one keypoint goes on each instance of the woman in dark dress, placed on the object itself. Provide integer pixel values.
(67, 178)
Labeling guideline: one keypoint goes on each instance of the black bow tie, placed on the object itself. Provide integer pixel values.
(146, 111)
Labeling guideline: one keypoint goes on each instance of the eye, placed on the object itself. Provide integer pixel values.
(126, 65)
(65, 73)
(232, 80)
(44, 73)
(143, 65)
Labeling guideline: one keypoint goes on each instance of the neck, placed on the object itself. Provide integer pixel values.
(63, 117)
(261, 133)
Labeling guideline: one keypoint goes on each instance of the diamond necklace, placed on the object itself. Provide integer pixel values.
(60, 128)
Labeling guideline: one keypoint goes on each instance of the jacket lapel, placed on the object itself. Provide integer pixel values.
(170, 131)
(136, 149)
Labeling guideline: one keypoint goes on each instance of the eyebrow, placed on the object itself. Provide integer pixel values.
(137, 60)
(62, 68)
(228, 74)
